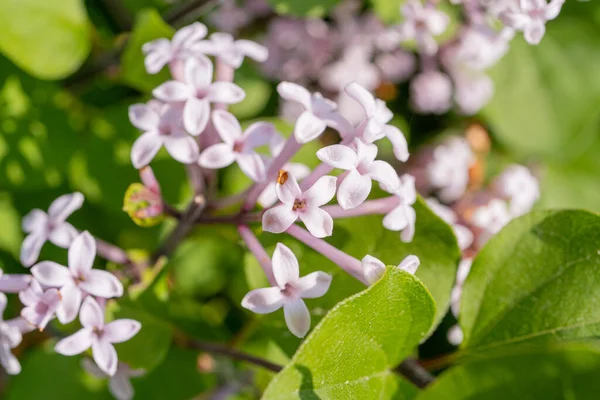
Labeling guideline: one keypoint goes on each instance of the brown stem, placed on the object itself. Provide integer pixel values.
(216, 348)
(414, 372)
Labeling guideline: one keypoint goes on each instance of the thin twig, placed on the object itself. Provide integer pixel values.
(414, 372)
(215, 348)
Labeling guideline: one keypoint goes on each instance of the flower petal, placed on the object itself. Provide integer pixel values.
(3, 301)
(225, 92)
(63, 235)
(285, 265)
(172, 91)
(65, 205)
(268, 197)
(198, 72)
(102, 284)
(196, 114)
(40, 313)
(386, 175)
(398, 141)
(182, 147)
(252, 165)
(297, 317)
(353, 190)
(34, 221)
(9, 361)
(278, 219)
(121, 330)
(188, 34)
(534, 32)
(89, 366)
(14, 283)
(91, 315)
(77, 343)
(397, 219)
(338, 156)
(31, 294)
(145, 148)
(308, 127)
(313, 285)
(294, 92)
(263, 301)
(227, 126)
(258, 134)
(287, 187)
(321, 192)
(318, 222)
(217, 156)
(69, 306)
(143, 117)
(409, 232)
(252, 50)
(105, 356)
(49, 273)
(120, 387)
(410, 264)
(31, 247)
(362, 95)
(81, 254)
(373, 269)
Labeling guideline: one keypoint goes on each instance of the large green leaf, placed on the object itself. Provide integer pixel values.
(547, 100)
(351, 352)
(535, 282)
(47, 38)
(559, 373)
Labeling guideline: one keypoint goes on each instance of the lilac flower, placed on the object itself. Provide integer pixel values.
(14, 283)
(448, 172)
(355, 65)
(119, 384)
(472, 91)
(464, 236)
(403, 217)
(377, 118)
(79, 279)
(289, 292)
(362, 167)
(374, 269)
(162, 126)
(197, 91)
(160, 52)
(98, 336)
(431, 92)
(40, 305)
(238, 146)
(305, 206)
(396, 66)
(519, 186)
(491, 218)
(10, 337)
(318, 111)
(530, 17)
(52, 226)
(230, 51)
(300, 171)
(422, 23)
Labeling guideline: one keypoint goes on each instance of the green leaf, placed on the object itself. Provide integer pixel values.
(547, 100)
(566, 372)
(535, 282)
(148, 26)
(388, 10)
(47, 38)
(351, 352)
(303, 8)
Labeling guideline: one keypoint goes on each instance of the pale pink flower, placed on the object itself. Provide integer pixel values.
(305, 206)
(10, 337)
(530, 17)
(362, 168)
(377, 117)
(160, 52)
(161, 124)
(52, 226)
(519, 186)
(14, 283)
(472, 91)
(448, 172)
(354, 66)
(119, 384)
(403, 217)
(318, 113)
(99, 336)
(289, 292)
(464, 236)
(238, 146)
(230, 51)
(197, 91)
(40, 306)
(490, 218)
(374, 269)
(431, 92)
(79, 279)
(422, 23)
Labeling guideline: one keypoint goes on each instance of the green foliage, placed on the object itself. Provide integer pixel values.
(351, 352)
(535, 282)
(566, 372)
(148, 26)
(47, 38)
(303, 8)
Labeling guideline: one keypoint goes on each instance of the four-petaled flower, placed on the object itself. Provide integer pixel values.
(161, 124)
(520, 187)
(238, 146)
(98, 336)
(289, 292)
(79, 279)
(403, 217)
(376, 124)
(230, 51)
(119, 384)
(197, 91)
(305, 206)
(373, 269)
(422, 23)
(10, 337)
(51, 226)
(40, 305)
(530, 16)
(362, 167)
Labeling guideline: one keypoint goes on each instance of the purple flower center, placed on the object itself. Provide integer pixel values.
(238, 146)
